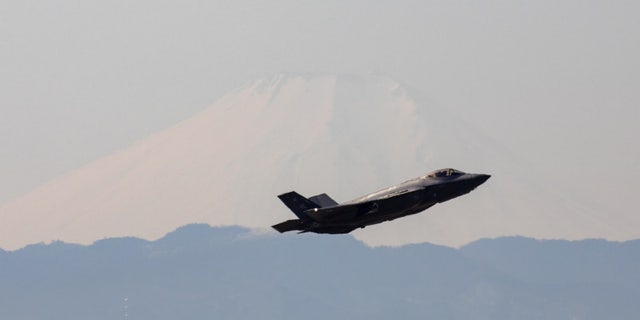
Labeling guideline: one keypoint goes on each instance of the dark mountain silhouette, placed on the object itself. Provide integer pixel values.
(201, 272)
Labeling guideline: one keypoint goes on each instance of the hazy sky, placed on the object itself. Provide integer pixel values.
(556, 82)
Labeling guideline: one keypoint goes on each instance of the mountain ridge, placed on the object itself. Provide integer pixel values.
(199, 271)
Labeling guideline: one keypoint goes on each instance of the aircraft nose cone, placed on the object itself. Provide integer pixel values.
(479, 179)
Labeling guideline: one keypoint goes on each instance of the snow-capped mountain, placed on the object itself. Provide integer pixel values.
(345, 135)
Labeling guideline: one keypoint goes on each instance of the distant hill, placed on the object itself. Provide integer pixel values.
(202, 272)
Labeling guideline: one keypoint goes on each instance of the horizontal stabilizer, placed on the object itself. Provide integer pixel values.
(289, 225)
(323, 200)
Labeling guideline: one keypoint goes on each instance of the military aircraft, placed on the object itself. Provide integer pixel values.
(321, 214)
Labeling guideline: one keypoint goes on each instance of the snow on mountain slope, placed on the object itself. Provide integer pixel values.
(344, 135)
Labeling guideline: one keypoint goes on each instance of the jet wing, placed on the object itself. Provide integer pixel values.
(387, 200)
(338, 213)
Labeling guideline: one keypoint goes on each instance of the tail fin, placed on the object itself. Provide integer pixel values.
(298, 204)
(323, 200)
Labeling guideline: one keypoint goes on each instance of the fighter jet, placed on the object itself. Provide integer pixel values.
(321, 214)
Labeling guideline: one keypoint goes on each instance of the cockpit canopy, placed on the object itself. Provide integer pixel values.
(449, 172)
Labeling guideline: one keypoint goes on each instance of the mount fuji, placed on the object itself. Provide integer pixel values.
(345, 135)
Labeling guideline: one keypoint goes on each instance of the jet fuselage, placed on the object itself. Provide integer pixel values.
(320, 214)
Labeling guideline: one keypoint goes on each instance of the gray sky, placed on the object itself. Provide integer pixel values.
(556, 82)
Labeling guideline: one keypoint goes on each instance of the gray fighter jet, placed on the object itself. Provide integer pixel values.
(321, 214)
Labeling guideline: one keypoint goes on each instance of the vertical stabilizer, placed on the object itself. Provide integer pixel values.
(298, 204)
(323, 200)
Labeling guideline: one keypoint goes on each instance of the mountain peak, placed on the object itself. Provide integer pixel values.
(345, 135)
